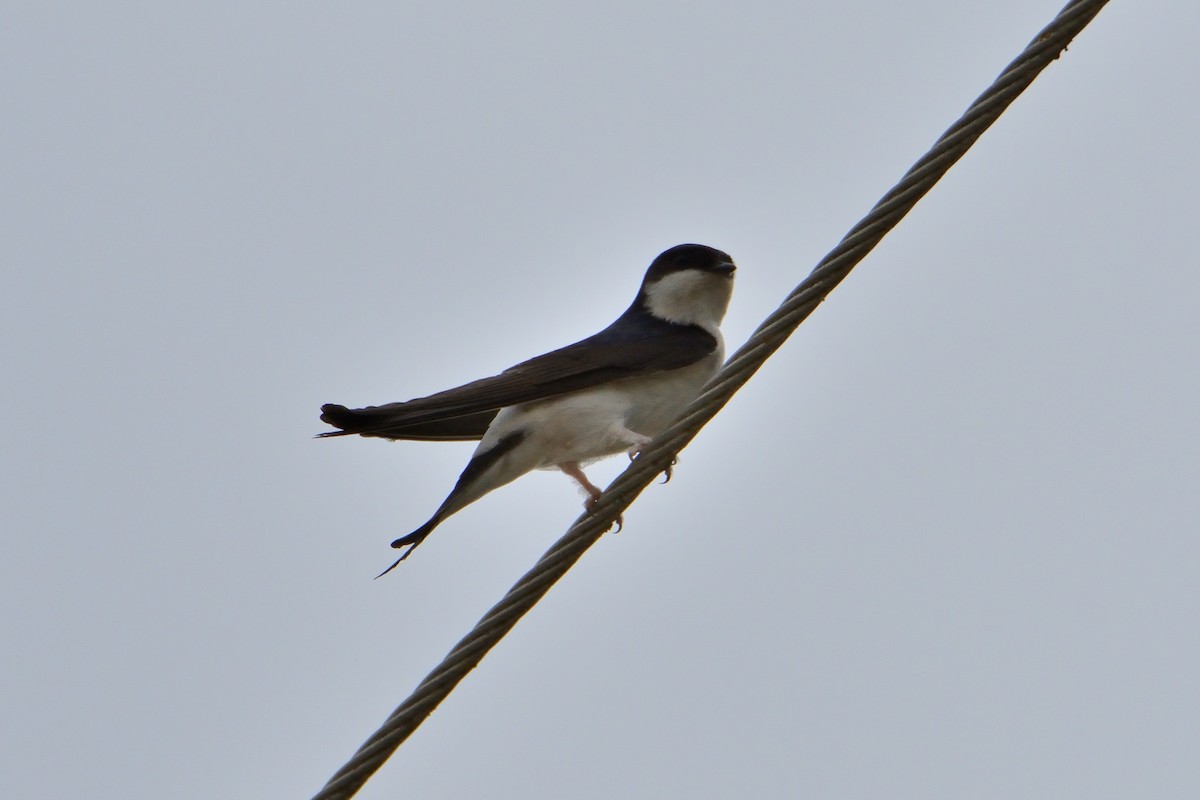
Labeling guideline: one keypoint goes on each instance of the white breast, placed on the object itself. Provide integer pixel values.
(584, 426)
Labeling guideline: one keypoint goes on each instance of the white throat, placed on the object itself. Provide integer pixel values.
(691, 297)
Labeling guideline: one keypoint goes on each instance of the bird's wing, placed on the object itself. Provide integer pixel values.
(637, 348)
(454, 429)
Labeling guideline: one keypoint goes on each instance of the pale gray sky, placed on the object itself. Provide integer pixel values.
(944, 545)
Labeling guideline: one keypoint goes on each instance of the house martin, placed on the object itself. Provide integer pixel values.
(610, 393)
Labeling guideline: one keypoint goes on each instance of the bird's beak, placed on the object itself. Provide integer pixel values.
(725, 268)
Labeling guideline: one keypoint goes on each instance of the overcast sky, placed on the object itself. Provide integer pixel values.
(944, 545)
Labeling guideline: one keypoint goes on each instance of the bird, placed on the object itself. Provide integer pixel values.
(611, 392)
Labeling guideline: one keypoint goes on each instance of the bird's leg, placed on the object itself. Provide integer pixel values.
(573, 471)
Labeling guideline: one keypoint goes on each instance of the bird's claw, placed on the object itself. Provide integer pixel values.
(590, 507)
(634, 452)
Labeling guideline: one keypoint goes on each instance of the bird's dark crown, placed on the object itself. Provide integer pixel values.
(689, 256)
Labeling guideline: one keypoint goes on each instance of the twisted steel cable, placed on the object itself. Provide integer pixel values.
(861, 239)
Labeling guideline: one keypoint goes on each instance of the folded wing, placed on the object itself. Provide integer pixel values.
(642, 345)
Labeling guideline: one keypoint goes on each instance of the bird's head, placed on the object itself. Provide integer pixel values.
(689, 284)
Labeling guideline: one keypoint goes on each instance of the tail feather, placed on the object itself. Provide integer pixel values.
(411, 541)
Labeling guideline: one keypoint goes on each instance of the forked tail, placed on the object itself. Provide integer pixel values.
(411, 541)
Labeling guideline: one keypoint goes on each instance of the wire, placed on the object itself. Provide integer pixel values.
(803, 300)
